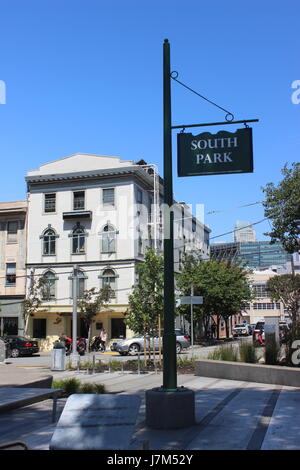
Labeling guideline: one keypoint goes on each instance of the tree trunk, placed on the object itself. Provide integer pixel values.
(226, 327)
(218, 326)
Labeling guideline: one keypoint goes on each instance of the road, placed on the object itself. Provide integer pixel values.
(43, 359)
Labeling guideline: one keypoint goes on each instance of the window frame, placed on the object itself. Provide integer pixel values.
(47, 211)
(14, 275)
(110, 240)
(52, 282)
(109, 203)
(49, 242)
(79, 208)
(9, 232)
(104, 277)
(77, 236)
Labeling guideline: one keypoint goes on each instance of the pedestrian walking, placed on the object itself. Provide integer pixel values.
(103, 337)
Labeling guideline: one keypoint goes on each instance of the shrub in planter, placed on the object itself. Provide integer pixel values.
(224, 353)
(247, 352)
(272, 350)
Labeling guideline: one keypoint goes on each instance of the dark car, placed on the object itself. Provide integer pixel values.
(20, 346)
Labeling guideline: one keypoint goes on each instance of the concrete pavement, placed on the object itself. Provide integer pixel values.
(230, 415)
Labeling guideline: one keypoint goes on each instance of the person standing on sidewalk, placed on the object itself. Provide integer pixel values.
(103, 338)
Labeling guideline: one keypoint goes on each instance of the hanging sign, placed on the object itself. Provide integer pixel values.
(191, 300)
(215, 154)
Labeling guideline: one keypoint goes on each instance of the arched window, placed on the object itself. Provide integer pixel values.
(108, 242)
(49, 242)
(109, 279)
(49, 285)
(78, 240)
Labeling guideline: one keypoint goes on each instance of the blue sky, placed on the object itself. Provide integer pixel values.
(86, 76)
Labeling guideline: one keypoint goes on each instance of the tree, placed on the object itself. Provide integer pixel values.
(282, 206)
(286, 289)
(37, 292)
(91, 303)
(224, 288)
(146, 300)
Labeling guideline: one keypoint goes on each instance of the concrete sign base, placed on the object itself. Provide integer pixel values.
(170, 410)
(96, 422)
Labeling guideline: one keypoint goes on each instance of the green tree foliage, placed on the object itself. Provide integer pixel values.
(91, 303)
(224, 287)
(282, 207)
(37, 292)
(146, 299)
(285, 288)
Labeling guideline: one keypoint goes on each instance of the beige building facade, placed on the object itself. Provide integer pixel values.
(12, 266)
(262, 306)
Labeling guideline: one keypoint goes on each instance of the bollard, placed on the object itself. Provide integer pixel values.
(78, 365)
(94, 358)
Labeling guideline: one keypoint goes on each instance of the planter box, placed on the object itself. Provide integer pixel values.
(277, 375)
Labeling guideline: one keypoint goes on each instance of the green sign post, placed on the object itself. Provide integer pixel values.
(169, 406)
(215, 154)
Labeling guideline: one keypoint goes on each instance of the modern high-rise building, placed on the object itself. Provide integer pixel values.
(252, 255)
(243, 232)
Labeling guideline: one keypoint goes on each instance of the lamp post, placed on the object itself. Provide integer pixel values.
(74, 355)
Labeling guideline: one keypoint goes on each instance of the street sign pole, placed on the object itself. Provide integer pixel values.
(169, 339)
(169, 407)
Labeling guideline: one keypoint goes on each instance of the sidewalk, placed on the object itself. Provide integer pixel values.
(230, 415)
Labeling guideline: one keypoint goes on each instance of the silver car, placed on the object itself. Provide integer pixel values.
(135, 345)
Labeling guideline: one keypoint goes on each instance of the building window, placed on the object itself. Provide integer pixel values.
(194, 225)
(12, 232)
(78, 240)
(49, 241)
(49, 285)
(11, 274)
(266, 306)
(78, 200)
(39, 327)
(118, 328)
(139, 196)
(108, 197)
(8, 326)
(50, 202)
(108, 239)
(260, 290)
(109, 280)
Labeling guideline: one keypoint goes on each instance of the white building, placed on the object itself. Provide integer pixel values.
(99, 213)
(244, 232)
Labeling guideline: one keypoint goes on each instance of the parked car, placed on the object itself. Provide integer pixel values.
(20, 346)
(251, 328)
(241, 330)
(135, 345)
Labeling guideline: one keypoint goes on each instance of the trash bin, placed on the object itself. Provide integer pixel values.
(3, 349)
(58, 356)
